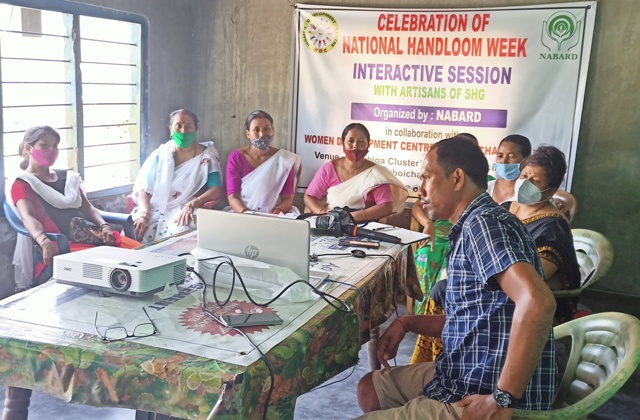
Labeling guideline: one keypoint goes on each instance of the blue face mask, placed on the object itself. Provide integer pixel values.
(508, 171)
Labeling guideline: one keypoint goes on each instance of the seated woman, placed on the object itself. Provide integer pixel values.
(262, 178)
(371, 191)
(51, 201)
(542, 174)
(177, 178)
(512, 150)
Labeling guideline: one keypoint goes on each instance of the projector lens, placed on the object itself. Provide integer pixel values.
(120, 279)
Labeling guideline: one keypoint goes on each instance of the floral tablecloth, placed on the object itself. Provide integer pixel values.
(82, 370)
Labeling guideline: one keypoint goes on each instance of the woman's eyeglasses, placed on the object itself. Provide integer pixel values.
(118, 333)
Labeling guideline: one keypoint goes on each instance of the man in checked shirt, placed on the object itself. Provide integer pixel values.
(499, 351)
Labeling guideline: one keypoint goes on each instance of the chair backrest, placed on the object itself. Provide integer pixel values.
(605, 352)
(594, 253)
(13, 219)
(566, 203)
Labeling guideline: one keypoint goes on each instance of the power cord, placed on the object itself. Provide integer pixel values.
(343, 307)
(363, 305)
(358, 253)
(210, 314)
(255, 346)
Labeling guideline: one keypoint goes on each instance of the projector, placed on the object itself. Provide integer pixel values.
(117, 270)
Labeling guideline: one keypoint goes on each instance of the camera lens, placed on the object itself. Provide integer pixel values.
(120, 279)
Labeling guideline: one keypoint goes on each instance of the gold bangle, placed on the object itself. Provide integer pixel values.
(199, 201)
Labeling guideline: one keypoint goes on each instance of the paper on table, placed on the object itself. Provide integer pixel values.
(406, 236)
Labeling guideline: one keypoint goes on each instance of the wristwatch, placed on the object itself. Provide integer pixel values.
(504, 399)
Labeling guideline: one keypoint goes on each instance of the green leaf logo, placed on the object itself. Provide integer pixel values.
(561, 31)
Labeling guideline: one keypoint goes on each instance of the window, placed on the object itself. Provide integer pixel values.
(79, 69)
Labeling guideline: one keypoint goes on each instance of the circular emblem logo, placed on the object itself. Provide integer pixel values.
(251, 251)
(561, 32)
(320, 32)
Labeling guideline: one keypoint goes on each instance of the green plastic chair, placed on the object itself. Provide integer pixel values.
(605, 352)
(595, 256)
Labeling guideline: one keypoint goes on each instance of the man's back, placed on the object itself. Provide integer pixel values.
(485, 241)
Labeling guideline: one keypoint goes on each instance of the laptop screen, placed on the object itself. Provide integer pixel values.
(269, 239)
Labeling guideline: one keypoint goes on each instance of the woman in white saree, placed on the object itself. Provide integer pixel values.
(371, 191)
(261, 178)
(176, 179)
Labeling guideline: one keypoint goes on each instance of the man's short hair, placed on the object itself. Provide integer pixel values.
(460, 152)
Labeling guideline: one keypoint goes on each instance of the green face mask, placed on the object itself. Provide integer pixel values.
(183, 140)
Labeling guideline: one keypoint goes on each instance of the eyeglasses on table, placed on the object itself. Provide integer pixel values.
(117, 333)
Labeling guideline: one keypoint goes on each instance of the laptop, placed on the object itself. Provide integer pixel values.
(272, 240)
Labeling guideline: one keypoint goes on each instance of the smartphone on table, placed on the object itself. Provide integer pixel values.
(249, 320)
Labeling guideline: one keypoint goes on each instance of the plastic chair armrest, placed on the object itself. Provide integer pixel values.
(61, 240)
(123, 219)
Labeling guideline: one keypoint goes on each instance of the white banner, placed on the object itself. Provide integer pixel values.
(414, 77)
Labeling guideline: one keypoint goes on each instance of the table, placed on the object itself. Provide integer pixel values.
(80, 369)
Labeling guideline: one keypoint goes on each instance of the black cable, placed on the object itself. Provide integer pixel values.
(314, 257)
(255, 346)
(235, 272)
(363, 305)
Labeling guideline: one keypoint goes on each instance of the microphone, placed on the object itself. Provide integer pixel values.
(355, 230)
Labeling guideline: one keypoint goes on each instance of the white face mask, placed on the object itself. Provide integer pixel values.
(527, 193)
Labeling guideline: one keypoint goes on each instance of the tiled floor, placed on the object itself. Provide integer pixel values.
(337, 401)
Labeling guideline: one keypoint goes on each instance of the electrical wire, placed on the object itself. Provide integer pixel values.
(323, 295)
(255, 346)
(354, 366)
(343, 307)
(314, 257)
(210, 314)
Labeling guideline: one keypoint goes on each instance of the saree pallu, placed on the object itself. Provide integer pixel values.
(261, 188)
(171, 187)
(430, 265)
(353, 192)
(554, 241)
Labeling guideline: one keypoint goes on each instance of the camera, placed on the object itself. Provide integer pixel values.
(337, 221)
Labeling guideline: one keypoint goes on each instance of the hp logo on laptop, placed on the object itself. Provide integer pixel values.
(251, 251)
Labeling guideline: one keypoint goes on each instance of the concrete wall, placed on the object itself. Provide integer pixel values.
(223, 59)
